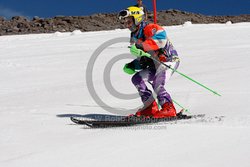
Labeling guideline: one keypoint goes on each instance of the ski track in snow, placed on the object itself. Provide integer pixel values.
(43, 83)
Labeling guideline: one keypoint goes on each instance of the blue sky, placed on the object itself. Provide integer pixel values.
(51, 8)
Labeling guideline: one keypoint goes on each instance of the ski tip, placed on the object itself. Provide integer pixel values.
(73, 119)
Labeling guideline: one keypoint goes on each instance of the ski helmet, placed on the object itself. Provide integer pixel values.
(135, 12)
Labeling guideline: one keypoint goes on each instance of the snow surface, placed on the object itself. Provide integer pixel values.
(43, 82)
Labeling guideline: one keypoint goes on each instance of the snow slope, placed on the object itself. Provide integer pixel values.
(43, 82)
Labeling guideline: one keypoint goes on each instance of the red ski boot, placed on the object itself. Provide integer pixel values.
(168, 110)
(149, 110)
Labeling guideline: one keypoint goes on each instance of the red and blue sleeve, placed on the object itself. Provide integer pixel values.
(155, 38)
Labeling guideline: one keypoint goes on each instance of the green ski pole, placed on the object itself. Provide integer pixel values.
(178, 104)
(198, 83)
(174, 70)
(138, 52)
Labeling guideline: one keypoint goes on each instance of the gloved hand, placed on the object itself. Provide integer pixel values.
(129, 69)
(138, 52)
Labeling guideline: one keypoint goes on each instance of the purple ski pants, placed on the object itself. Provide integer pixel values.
(157, 78)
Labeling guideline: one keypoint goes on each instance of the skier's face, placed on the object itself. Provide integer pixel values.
(129, 23)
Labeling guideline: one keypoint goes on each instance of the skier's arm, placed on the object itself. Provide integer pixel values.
(156, 38)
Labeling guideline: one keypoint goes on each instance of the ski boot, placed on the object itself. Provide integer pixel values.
(148, 110)
(168, 110)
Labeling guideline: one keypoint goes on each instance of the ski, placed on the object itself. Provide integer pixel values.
(129, 121)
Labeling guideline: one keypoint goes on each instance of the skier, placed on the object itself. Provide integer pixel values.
(150, 41)
(143, 7)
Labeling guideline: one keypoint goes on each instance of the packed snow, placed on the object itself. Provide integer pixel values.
(43, 83)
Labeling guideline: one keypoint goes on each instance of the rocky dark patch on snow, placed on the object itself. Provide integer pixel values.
(97, 22)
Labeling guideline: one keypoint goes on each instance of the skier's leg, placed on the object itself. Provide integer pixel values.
(150, 105)
(158, 86)
(139, 81)
(162, 76)
(164, 98)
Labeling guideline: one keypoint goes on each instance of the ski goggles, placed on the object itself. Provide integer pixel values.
(127, 13)
(123, 14)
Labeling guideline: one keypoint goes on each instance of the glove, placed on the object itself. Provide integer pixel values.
(138, 52)
(129, 69)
